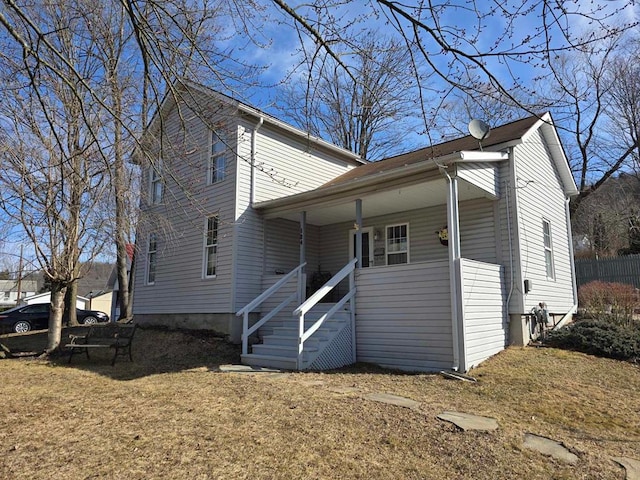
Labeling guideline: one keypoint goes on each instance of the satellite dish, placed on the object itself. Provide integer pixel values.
(479, 129)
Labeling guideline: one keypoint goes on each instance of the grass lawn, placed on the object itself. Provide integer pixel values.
(172, 414)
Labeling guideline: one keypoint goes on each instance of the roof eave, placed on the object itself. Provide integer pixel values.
(397, 173)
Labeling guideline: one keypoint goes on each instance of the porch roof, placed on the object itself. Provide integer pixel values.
(405, 188)
(413, 180)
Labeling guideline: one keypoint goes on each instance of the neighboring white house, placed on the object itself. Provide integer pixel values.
(81, 302)
(9, 291)
(452, 245)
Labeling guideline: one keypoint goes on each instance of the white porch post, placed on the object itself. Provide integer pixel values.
(358, 227)
(302, 276)
(455, 269)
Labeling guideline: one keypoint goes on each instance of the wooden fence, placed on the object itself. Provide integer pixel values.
(619, 269)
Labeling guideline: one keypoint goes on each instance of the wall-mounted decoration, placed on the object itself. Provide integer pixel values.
(443, 236)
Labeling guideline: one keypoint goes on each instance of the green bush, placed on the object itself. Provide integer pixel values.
(600, 338)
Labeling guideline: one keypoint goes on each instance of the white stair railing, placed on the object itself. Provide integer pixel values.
(247, 309)
(347, 270)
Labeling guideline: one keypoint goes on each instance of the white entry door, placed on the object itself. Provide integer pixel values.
(367, 246)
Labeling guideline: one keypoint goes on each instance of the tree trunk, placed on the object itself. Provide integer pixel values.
(70, 298)
(55, 316)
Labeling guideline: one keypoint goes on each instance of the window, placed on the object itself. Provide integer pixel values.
(398, 244)
(152, 259)
(211, 246)
(7, 295)
(548, 248)
(217, 164)
(155, 180)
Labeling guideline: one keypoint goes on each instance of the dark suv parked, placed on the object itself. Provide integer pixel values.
(36, 317)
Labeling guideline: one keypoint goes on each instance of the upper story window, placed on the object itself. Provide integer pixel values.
(155, 182)
(7, 295)
(152, 258)
(216, 165)
(548, 248)
(398, 244)
(211, 246)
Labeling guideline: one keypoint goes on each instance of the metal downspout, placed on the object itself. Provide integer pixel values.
(454, 259)
(572, 260)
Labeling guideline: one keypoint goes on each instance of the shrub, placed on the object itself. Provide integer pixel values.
(614, 301)
(598, 337)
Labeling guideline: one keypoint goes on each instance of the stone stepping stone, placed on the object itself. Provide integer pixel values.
(631, 465)
(392, 400)
(246, 369)
(467, 421)
(549, 447)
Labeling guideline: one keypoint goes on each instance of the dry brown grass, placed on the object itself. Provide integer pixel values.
(173, 414)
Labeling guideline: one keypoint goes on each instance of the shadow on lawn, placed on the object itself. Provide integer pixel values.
(155, 351)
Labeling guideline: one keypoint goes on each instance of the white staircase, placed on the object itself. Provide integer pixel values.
(279, 347)
(300, 334)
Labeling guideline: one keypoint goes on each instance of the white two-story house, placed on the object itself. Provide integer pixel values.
(315, 259)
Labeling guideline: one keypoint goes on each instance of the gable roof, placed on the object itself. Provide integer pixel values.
(428, 159)
(187, 86)
(500, 136)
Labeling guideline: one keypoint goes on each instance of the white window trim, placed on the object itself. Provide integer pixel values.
(155, 177)
(548, 249)
(155, 252)
(206, 246)
(386, 244)
(213, 158)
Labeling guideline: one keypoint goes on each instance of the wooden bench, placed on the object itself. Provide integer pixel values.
(112, 335)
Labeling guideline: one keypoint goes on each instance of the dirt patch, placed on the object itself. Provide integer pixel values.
(172, 414)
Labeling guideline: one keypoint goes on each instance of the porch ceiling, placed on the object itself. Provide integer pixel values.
(397, 199)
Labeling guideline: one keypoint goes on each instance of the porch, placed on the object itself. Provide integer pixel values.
(402, 319)
(424, 291)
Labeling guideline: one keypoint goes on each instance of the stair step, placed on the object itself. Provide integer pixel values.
(283, 363)
(282, 350)
(292, 340)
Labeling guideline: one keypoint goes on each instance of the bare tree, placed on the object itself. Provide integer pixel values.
(466, 45)
(372, 112)
(595, 96)
(140, 50)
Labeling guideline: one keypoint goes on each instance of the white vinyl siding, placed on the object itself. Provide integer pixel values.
(179, 284)
(478, 240)
(217, 164)
(537, 191)
(397, 244)
(282, 243)
(483, 175)
(210, 246)
(404, 316)
(284, 165)
(484, 295)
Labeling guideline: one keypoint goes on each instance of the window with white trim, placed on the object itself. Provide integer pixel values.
(152, 258)
(211, 246)
(548, 248)
(397, 244)
(155, 182)
(216, 166)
